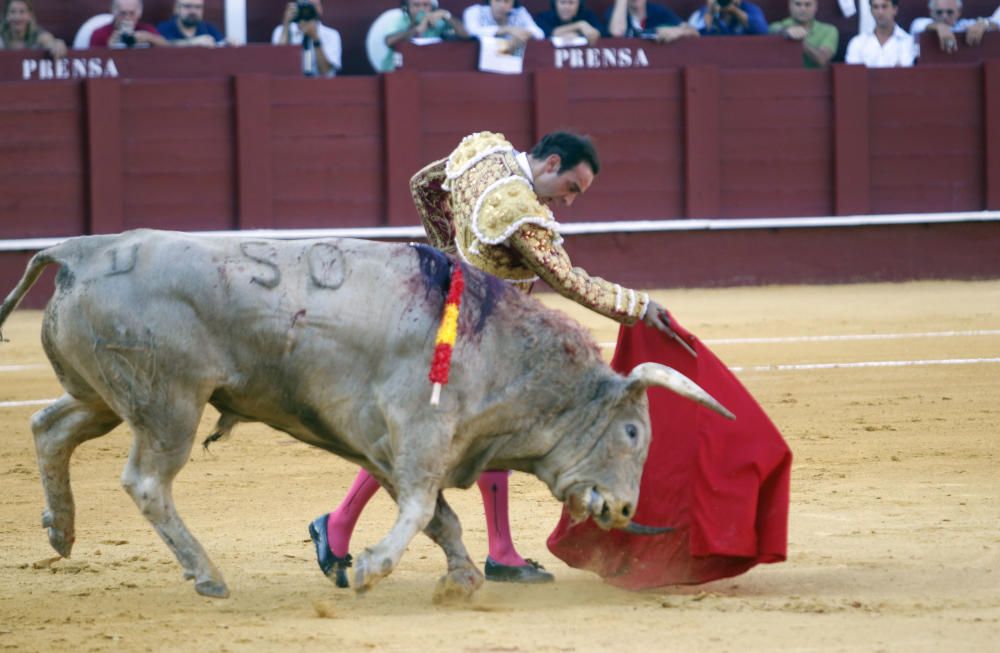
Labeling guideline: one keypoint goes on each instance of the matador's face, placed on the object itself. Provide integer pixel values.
(554, 188)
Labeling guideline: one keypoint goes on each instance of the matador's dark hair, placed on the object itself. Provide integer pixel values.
(571, 148)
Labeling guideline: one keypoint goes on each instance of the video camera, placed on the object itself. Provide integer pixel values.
(305, 11)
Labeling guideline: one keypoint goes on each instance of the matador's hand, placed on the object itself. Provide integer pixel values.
(658, 318)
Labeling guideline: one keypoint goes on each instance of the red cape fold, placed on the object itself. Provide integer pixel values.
(723, 485)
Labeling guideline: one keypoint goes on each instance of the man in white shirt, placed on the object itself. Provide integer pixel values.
(321, 45)
(946, 21)
(888, 46)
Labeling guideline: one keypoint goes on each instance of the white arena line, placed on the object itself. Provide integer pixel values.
(834, 366)
(29, 402)
(836, 338)
(795, 367)
(20, 368)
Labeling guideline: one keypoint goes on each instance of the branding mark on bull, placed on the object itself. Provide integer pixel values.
(326, 266)
(123, 262)
(263, 254)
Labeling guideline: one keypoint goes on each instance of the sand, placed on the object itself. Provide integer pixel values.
(894, 531)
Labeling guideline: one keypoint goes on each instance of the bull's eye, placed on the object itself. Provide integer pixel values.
(631, 431)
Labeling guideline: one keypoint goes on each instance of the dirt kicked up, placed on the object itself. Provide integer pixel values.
(887, 394)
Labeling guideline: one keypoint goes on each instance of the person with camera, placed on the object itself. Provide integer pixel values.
(187, 27)
(421, 19)
(127, 30)
(729, 18)
(321, 45)
(819, 40)
(641, 19)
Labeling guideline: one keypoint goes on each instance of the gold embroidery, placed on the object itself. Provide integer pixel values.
(479, 202)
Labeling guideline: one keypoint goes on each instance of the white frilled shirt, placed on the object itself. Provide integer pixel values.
(898, 51)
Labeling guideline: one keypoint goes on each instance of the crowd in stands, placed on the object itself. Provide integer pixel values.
(566, 22)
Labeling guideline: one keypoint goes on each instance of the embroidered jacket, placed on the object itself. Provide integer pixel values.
(479, 204)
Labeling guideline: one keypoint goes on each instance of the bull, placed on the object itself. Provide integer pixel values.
(329, 341)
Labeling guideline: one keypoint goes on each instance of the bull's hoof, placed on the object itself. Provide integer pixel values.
(61, 540)
(213, 589)
(457, 585)
(366, 574)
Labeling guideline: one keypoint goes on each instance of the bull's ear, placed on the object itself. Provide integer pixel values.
(649, 374)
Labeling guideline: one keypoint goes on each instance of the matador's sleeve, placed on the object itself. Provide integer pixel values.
(542, 252)
(431, 202)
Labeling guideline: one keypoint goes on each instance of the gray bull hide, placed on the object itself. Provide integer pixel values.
(331, 342)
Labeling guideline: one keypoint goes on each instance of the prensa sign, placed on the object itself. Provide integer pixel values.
(601, 58)
(68, 68)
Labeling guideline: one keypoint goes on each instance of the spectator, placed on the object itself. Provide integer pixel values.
(729, 18)
(640, 19)
(568, 19)
(421, 19)
(819, 40)
(20, 31)
(888, 46)
(126, 30)
(503, 19)
(188, 27)
(321, 45)
(946, 21)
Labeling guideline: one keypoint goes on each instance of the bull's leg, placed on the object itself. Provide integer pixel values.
(463, 578)
(156, 457)
(416, 507)
(59, 429)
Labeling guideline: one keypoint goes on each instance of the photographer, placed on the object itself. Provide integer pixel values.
(321, 45)
(729, 17)
(126, 30)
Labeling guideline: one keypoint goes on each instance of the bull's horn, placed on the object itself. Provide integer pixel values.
(642, 529)
(667, 377)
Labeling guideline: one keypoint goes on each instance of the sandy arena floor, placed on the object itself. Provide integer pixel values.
(894, 533)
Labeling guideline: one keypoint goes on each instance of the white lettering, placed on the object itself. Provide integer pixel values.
(576, 58)
(562, 56)
(641, 60)
(67, 68)
(28, 68)
(593, 58)
(625, 57)
(608, 58)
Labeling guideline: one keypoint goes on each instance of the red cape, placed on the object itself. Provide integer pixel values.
(722, 484)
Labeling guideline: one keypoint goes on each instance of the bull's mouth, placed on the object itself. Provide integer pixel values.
(587, 501)
(583, 502)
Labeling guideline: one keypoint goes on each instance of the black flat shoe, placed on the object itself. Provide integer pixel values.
(333, 567)
(532, 572)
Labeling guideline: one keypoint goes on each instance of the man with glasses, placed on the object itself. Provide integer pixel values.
(946, 21)
(188, 27)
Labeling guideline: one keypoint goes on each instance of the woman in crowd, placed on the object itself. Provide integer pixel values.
(569, 18)
(20, 31)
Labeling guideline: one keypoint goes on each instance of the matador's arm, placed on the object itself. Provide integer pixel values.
(547, 258)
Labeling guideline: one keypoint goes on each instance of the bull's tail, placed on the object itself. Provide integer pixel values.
(36, 266)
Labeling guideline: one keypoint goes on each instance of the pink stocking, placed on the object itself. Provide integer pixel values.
(493, 486)
(340, 524)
